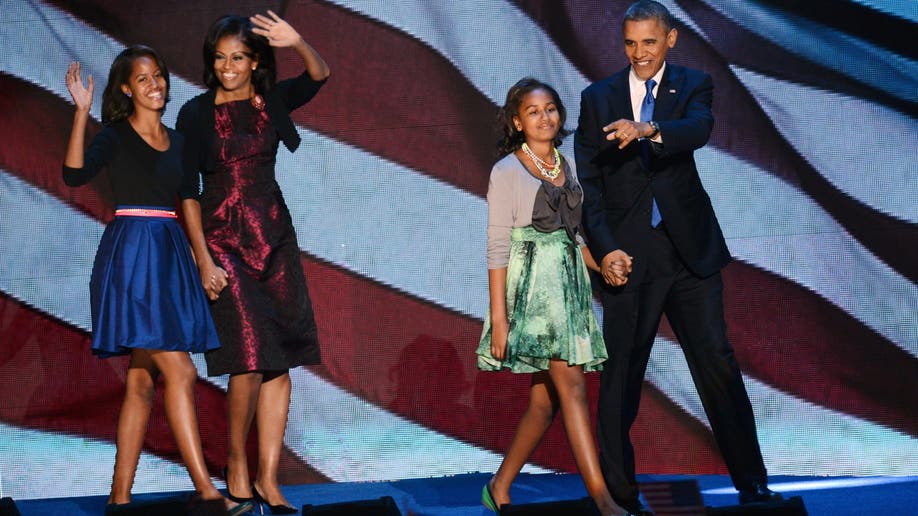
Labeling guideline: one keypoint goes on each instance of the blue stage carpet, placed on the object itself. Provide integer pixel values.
(459, 495)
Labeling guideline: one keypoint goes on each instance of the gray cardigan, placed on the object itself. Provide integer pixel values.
(511, 198)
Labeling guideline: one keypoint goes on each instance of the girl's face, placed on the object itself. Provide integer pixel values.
(538, 118)
(233, 64)
(146, 86)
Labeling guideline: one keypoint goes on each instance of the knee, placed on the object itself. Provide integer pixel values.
(543, 409)
(141, 388)
(577, 392)
(572, 386)
(182, 374)
(573, 398)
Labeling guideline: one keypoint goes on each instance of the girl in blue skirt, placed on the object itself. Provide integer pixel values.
(146, 295)
(541, 319)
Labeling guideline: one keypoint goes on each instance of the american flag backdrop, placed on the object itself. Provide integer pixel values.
(812, 169)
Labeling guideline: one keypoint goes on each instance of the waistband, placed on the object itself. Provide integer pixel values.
(145, 212)
(531, 234)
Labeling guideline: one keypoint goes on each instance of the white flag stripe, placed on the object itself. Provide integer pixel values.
(871, 169)
(351, 440)
(858, 59)
(468, 33)
(54, 276)
(325, 447)
(815, 485)
(907, 10)
(770, 224)
(39, 464)
(834, 441)
(64, 39)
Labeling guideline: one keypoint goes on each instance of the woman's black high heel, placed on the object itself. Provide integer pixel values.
(275, 509)
(238, 499)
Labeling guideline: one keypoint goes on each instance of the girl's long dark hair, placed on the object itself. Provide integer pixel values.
(511, 138)
(264, 76)
(116, 106)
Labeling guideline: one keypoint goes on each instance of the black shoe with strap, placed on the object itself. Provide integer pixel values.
(758, 492)
(275, 509)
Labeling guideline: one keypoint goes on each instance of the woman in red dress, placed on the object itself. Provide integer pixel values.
(264, 316)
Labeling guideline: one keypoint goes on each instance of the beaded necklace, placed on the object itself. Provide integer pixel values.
(550, 171)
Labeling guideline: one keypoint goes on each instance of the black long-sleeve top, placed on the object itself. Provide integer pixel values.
(196, 118)
(140, 175)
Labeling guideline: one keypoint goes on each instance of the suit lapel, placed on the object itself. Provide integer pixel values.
(620, 96)
(668, 92)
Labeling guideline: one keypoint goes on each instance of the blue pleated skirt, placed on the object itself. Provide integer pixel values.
(145, 290)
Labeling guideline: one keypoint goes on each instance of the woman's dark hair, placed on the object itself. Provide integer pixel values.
(264, 76)
(513, 139)
(116, 106)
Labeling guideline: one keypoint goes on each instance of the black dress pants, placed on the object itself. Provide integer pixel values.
(694, 308)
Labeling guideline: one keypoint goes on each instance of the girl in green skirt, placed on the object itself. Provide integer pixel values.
(541, 319)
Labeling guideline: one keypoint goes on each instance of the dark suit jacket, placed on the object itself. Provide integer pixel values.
(196, 119)
(619, 187)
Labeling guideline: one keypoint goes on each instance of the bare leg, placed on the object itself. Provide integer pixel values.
(242, 401)
(179, 376)
(570, 384)
(140, 387)
(271, 417)
(543, 404)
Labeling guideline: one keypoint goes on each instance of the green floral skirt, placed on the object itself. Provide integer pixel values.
(549, 307)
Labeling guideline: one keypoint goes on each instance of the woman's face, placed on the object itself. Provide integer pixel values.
(232, 65)
(146, 85)
(538, 117)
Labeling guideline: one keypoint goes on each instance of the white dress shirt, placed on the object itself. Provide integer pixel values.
(639, 91)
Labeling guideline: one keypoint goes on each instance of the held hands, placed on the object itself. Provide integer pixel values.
(278, 32)
(615, 268)
(214, 279)
(627, 131)
(82, 95)
(500, 330)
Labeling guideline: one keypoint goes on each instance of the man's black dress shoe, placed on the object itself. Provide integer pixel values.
(758, 492)
(637, 509)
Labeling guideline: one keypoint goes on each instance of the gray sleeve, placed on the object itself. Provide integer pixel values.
(500, 216)
(572, 167)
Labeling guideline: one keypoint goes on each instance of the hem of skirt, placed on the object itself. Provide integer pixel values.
(122, 350)
(308, 362)
(520, 367)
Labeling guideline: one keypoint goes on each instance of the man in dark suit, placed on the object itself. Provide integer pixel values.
(645, 208)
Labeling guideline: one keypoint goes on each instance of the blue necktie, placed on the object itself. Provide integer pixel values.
(646, 116)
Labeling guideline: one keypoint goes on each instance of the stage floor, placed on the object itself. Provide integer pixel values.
(459, 495)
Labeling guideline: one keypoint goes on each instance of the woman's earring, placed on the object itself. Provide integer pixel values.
(128, 94)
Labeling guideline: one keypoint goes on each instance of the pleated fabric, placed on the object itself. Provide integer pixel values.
(549, 307)
(145, 290)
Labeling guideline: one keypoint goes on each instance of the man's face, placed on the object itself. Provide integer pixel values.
(646, 44)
